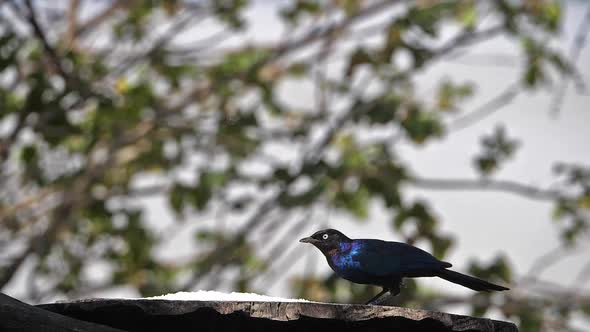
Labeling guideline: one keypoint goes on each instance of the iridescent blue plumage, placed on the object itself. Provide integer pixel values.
(345, 263)
(344, 257)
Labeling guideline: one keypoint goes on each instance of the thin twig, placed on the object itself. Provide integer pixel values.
(39, 32)
(545, 261)
(206, 43)
(486, 60)
(161, 42)
(72, 81)
(320, 33)
(582, 277)
(72, 23)
(574, 54)
(25, 203)
(9, 271)
(491, 106)
(99, 18)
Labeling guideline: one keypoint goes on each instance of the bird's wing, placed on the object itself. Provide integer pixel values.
(382, 258)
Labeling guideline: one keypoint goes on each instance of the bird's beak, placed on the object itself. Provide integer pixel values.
(308, 240)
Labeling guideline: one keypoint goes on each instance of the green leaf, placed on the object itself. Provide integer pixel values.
(354, 201)
(441, 245)
(497, 148)
(498, 269)
(421, 125)
(359, 57)
(468, 16)
(298, 69)
(449, 95)
(177, 197)
(300, 9)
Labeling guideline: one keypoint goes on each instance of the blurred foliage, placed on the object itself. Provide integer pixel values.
(497, 148)
(84, 122)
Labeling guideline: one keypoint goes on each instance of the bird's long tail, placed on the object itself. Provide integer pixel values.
(469, 281)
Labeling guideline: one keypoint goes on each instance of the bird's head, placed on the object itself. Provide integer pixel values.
(327, 240)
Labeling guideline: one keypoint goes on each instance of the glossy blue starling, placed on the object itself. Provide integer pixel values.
(385, 263)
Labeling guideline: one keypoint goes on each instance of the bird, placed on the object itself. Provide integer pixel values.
(386, 263)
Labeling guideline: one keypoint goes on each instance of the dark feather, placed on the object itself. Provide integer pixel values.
(469, 281)
(384, 258)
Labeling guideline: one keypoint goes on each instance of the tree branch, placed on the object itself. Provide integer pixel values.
(72, 81)
(72, 199)
(9, 271)
(72, 23)
(575, 51)
(582, 277)
(95, 21)
(491, 106)
(545, 261)
(175, 29)
(25, 203)
(320, 33)
(486, 185)
(32, 18)
(6, 143)
(280, 256)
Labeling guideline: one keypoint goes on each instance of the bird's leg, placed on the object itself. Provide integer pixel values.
(385, 290)
(395, 287)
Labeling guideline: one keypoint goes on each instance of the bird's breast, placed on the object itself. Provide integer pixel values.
(342, 259)
(344, 262)
(346, 267)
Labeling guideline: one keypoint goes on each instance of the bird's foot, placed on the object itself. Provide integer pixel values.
(376, 297)
(396, 288)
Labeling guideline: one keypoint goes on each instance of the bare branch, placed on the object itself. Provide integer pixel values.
(491, 106)
(6, 143)
(486, 60)
(39, 32)
(42, 242)
(280, 256)
(289, 259)
(545, 261)
(147, 191)
(72, 199)
(582, 277)
(574, 54)
(9, 271)
(321, 33)
(72, 23)
(175, 29)
(206, 43)
(71, 80)
(486, 185)
(25, 203)
(95, 21)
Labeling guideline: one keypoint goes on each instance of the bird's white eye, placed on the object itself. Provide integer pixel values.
(325, 236)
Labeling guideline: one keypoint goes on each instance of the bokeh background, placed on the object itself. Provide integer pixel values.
(148, 147)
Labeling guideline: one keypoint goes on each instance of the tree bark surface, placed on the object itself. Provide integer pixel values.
(158, 315)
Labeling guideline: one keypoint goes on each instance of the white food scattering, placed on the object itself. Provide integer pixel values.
(219, 296)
